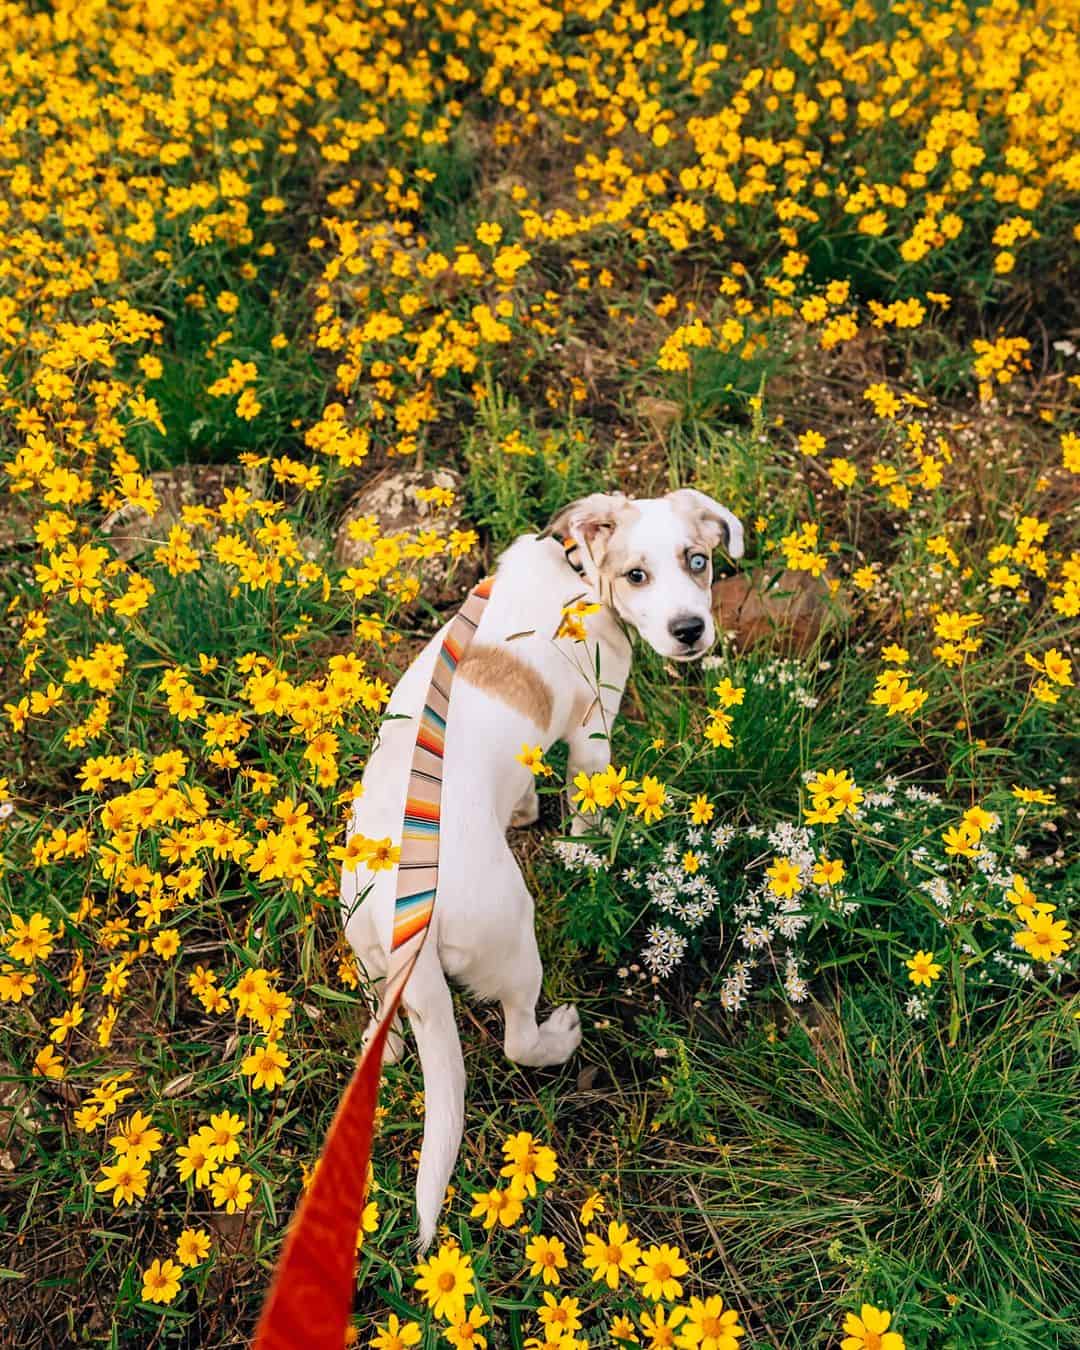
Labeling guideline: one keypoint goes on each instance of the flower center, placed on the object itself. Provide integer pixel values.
(662, 1271)
(873, 1341)
(447, 1281)
(614, 1255)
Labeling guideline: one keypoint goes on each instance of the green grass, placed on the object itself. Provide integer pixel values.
(863, 1154)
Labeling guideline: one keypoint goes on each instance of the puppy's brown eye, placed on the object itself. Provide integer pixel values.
(637, 576)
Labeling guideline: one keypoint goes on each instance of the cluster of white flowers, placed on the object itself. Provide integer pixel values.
(686, 884)
(785, 673)
(664, 948)
(998, 871)
(684, 893)
(1021, 968)
(577, 857)
(937, 888)
(736, 985)
(767, 919)
(794, 985)
(916, 1007)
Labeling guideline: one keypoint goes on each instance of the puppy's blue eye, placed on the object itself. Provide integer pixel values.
(637, 576)
(697, 562)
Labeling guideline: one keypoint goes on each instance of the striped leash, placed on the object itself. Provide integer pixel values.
(311, 1296)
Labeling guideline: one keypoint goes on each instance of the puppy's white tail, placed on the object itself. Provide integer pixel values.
(431, 1013)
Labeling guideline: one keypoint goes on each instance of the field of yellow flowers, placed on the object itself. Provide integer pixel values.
(818, 259)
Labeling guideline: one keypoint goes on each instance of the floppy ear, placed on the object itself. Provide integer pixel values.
(720, 527)
(587, 518)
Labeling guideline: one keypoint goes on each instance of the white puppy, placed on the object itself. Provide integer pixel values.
(648, 564)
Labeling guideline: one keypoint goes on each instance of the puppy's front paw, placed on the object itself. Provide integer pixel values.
(527, 811)
(580, 825)
(562, 1032)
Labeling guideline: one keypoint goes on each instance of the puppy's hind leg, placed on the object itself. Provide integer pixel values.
(526, 1042)
(394, 1047)
(371, 966)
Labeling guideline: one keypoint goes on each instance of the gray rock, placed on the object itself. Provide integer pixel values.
(392, 500)
(789, 611)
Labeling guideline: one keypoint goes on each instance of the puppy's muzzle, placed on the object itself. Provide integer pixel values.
(687, 629)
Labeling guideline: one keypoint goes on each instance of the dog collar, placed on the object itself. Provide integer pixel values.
(570, 553)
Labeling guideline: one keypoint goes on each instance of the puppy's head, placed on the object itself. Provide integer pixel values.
(651, 560)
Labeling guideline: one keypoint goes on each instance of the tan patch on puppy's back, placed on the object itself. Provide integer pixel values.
(499, 672)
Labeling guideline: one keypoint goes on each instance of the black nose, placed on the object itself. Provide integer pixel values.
(687, 629)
